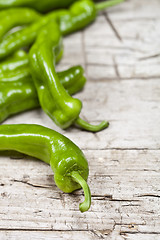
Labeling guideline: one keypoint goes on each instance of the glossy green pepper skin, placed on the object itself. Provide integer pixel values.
(42, 64)
(41, 6)
(13, 63)
(65, 112)
(13, 17)
(17, 67)
(21, 95)
(67, 161)
(15, 75)
(79, 15)
(25, 36)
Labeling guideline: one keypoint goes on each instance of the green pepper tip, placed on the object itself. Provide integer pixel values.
(89, 127)
(84, 206)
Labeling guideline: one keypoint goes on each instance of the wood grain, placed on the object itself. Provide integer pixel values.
(121, 56)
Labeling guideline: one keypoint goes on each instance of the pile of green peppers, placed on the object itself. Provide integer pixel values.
(28, 79)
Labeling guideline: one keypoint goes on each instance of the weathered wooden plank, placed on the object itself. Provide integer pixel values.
(72, 235)
(49, 235)
(120, 54)
(135, 9)
(132, 108)
(132, 56)
(124, 186)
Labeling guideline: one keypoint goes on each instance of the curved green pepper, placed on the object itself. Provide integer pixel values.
(80, 14)
(13, 63)
(16, 55)
(41, 6)
(66, 109)
(18, 74)
(21, 95)
(49, 89)
(67, 161)
(16, 67)
(16, 17)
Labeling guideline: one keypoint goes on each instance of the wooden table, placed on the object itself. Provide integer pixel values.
(121, 56)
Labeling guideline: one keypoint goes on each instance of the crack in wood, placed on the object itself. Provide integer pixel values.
(148, 195)
(97, 234)
(116, 68)
(42, 230)
(137, 19)
(121, 149)
(139, 232)
(141, 170)
(102, 197)
(113, 27)
(131, 205)
(111, 47)
(109, 79)
(110, 198)
(149, 57)
(31, 184)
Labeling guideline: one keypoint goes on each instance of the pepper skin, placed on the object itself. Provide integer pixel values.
(13, 63)
(13, 17)
(67, 161)
(41, 6)
(19, 62)
(21, 95)
(66, 109)
(79, 15)
(15, 75)
(49, 89)
(16, 67)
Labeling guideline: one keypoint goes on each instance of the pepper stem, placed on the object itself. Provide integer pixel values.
(84, 206)
(89, 127)
(107, 4)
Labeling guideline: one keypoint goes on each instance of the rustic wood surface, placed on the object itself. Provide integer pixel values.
(120, 52)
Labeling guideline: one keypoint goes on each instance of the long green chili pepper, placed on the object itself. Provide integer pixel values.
(16, 55)
(79, 15)
(15, 75)
(16, 17)
(13, 63)
(66, 109)
(21, 95)
(16, 60)
(18, 69)
(41, 6)
(67, 161)
(49, 89)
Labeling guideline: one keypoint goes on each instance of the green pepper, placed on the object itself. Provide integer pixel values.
(49, 88)
(15, 75)
(20, 95)
(67, 161)
(66, 109)
(16, 55)
(13, 64)
(16, 17)
(79, 15)
(41, 6)
(17, 66)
